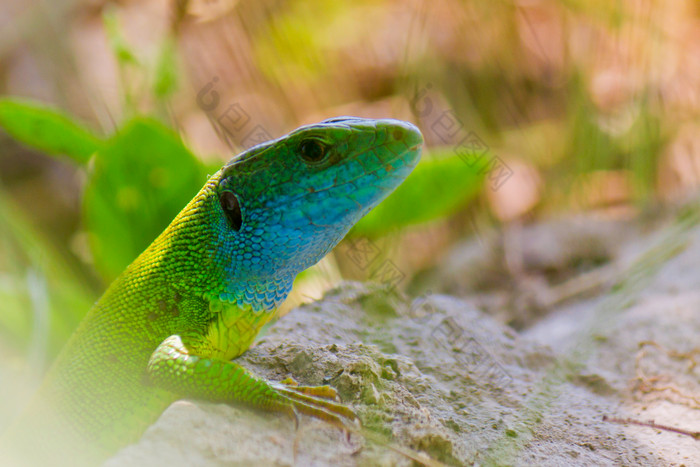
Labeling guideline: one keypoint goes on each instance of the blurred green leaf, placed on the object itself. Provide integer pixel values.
(165, 81)
(436, 188)
(297, 37)
(121, 49)
(42, 299)
(140, 181)
(47, 129)
(131, 73)
(643, 144)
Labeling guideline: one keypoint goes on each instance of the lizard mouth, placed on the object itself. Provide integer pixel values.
(410, 157)
(388, 166)
(403, 144)
(386, 160)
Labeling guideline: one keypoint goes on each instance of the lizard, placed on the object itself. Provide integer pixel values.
(170, 325)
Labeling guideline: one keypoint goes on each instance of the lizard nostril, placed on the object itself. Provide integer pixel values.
(397, 135)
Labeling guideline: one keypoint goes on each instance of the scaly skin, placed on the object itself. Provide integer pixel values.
(169, 325)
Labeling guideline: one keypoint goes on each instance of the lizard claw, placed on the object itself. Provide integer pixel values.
(324, 392)
(289, 381)
(317, 401)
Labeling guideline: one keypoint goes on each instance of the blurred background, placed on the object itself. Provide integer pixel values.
(113, 114)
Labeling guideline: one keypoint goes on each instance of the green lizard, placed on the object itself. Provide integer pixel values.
(196, 298)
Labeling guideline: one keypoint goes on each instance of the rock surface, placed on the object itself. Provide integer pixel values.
(443, 379)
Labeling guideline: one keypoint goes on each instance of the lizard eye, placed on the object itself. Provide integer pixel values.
(312, 150)
(232, 209)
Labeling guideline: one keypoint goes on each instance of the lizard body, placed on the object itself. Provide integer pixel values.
(196, 298)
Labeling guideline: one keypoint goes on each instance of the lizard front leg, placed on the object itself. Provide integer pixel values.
(176, 367)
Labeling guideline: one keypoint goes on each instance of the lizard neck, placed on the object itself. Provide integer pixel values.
(259, 295)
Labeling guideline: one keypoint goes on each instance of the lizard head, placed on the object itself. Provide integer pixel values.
(283, 205)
